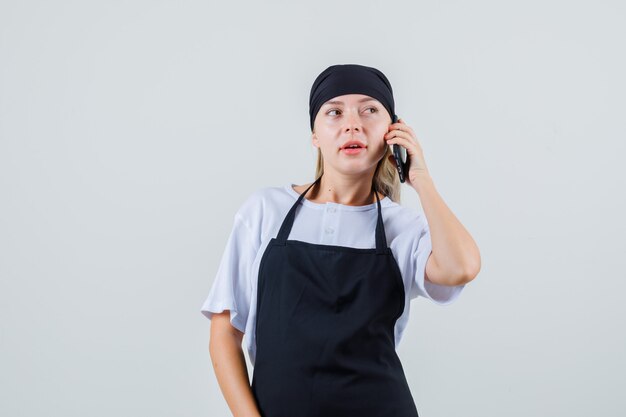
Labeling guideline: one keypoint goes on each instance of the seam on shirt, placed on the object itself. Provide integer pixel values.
(239, 217)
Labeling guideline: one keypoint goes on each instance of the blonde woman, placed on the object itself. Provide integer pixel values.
(319, 277)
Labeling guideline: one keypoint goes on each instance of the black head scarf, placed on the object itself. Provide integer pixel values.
(341, 79)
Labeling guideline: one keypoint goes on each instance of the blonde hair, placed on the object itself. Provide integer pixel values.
(386, 180)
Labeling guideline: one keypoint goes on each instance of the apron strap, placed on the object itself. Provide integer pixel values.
(381, 240)
(285, 228)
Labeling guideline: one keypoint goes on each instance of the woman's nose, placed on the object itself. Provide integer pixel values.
(353, 122)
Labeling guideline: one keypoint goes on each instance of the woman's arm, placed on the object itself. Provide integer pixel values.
(229, 364)
(455, 258)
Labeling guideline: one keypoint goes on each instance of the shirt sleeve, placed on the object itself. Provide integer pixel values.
(439, 294)
(232, 286)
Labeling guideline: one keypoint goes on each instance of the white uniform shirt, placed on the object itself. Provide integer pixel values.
(258, 220)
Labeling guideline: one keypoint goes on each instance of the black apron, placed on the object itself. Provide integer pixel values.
(325, 329)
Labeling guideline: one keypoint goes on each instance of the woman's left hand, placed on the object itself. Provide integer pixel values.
(400, 133)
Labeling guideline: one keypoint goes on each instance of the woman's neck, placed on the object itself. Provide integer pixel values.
(343, 191)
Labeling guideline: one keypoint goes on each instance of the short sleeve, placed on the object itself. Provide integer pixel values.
(439, 294)
(232, 286)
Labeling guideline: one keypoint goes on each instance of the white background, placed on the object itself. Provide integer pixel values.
(131, 131)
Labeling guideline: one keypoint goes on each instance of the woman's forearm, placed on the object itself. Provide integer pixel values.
(230, 368)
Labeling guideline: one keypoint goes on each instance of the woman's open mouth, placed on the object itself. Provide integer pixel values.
(353, 147)
(352, 151)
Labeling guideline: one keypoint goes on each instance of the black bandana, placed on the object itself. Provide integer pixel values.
(341, 79)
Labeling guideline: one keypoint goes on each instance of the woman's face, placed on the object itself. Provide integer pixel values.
(351, 117)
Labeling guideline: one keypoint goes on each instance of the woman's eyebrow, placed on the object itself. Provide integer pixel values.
(341, 102)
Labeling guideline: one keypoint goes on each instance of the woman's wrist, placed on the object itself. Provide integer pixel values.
(421, 181)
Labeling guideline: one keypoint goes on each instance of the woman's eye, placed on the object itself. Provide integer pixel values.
(329, 112)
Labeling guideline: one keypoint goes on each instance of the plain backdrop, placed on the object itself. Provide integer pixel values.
(131, 132)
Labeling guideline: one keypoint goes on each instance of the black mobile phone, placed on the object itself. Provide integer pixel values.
(400, 156)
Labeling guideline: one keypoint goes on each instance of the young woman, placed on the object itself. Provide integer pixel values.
(319, 277)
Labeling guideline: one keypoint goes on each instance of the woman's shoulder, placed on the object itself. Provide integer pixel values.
(262, 199)
(404, 221)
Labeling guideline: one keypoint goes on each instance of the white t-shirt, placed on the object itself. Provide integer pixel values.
(258, 220)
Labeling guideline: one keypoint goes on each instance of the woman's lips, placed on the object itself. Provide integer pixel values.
(352, 151)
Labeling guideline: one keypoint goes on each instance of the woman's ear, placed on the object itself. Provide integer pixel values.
(314, 140)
